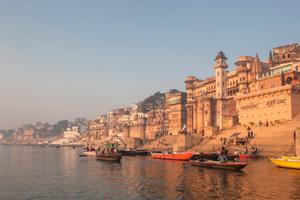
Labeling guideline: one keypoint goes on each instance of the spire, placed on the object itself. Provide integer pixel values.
(256, 68)
(270, 60)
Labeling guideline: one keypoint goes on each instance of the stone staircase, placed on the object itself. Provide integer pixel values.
(276, 139)
(164, 142)
(214, 143)
(271, 140)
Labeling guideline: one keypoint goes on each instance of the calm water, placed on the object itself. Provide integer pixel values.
(50, 173)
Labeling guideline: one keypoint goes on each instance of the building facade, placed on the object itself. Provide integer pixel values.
(72, 133)
(254, 92)
(175, 111)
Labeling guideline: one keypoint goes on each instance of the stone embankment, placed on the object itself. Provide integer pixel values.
(273, 140)
(177, 143)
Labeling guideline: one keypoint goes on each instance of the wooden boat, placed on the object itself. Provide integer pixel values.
(115, 157)
(212, 156)
(173, 156)
(245, 156)
(89, 153)
(128, 152)
(219, 165)
(141, 152)
(287, 162)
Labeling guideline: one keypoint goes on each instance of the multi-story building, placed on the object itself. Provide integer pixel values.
(137, 127)
(155, 126)
(97, 130)
(175, 111)
(254, 92)
(28, 135)
(72, 133)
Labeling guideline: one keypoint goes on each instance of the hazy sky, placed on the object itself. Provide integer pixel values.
(62, 59)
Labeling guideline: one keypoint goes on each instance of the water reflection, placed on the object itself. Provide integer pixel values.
(50, 173)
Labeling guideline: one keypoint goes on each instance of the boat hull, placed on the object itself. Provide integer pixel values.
(173, 156)
(212, 156)
(141, 152)
(220, 165)
(128, 152)
(245, 156)
(89, 153)
(109, 157)
(286, 162)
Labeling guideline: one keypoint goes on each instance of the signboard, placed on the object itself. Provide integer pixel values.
(263, 104)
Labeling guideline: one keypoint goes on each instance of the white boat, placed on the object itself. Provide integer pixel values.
(89, 153)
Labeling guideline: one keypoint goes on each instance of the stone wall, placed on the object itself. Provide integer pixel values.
(267, 106)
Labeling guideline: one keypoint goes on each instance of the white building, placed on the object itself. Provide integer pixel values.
(72, 133)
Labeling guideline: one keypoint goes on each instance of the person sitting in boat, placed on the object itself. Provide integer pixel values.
(246, 150)
(223, 155)
(254, 149)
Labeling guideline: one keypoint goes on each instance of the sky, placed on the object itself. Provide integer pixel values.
(61, 59)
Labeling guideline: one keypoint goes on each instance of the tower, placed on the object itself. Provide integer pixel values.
(221, 94)
(256, 68)
(270, 60)
(220, 74)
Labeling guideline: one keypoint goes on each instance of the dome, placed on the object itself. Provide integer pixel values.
(221, 55)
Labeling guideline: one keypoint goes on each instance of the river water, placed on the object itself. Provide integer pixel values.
(50, 173)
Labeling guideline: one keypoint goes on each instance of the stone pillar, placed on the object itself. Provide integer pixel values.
(200, 121)
(207, 113)
(195, 107)
(298, 142)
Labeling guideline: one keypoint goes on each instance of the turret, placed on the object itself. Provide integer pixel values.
(221, 94)
(270, 60)
(220, 74)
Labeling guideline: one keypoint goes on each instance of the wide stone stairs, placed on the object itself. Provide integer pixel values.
(275, 139)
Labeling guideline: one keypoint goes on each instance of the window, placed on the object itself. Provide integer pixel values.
(289, 80)
(289, 55)
(283, 57)
(296, 68)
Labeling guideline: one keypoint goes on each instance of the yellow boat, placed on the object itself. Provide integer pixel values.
(287, 162)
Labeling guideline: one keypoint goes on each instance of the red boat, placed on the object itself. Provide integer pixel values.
(244, 156)
(219, 165)
(173, 156)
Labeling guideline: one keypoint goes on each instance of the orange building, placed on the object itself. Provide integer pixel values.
(176, 111)
(254, 92)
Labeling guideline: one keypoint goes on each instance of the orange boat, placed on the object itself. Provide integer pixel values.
(173, 156)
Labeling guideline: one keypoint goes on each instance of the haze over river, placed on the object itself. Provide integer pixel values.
(50, 173)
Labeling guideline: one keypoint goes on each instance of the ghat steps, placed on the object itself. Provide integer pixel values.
(162, 143)
(271, 140)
